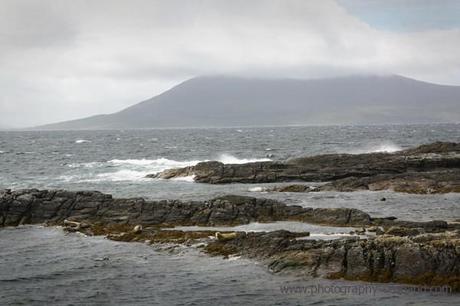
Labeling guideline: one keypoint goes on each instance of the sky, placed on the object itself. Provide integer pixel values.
(68, 59)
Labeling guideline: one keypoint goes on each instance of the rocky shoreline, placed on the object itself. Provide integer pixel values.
(431, 168)
(433, 182)
(398, 251)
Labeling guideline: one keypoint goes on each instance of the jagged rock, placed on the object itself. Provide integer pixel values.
(55, 206)
(430, 258)
(31, 206)
(416, 260)
(433, 168)
(172, 173)
(444, 181)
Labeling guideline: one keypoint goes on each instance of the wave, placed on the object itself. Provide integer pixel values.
(121, 175)
(189, 179)
(117, 176)
(82, 141)
(230, 159)
(160, 162)
(85, 165)
(137, 169)
(387, 147)
(257, 189)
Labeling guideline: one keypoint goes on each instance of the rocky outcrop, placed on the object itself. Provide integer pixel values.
(428, 259)
(424, 259)
(437, 160)
(32, 206)
(427, 252)
(410, 182)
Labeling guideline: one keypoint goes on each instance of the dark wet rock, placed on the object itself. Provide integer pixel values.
(57, 206)
(293, 188)
(416, 260)
(435, 147)
(429, 258)
(403, 231)
(427, 226)
(32, 206)
(411, 182)
(172, 173)
(426, 169)
(376, 229)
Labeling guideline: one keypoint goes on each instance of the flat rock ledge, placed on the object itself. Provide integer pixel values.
(432, 168)
(402, 251)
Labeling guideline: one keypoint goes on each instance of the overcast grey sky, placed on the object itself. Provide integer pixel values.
(66, 59)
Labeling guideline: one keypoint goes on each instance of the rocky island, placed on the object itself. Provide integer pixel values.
(431, 168)
(392, 251)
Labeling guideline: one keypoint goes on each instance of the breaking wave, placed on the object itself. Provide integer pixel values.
(136, 169)
(157, 165)
(387, 147)
(257, 189)
(189, 179)
(82, 141)
(230, 159)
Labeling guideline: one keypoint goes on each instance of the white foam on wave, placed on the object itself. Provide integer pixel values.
(387, 147)
(121, 175)
(117, 176)
(316, 231)
(230, 159)
(117, 170)
(84, 165)
(136, 169)
(190, 178)
(162, 163)
(257, 189)
(82, 141)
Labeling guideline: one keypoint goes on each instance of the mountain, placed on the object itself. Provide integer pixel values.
(231, 101)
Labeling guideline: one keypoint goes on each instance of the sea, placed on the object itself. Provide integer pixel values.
(45, 266)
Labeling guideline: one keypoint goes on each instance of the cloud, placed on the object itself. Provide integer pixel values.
(66, 59)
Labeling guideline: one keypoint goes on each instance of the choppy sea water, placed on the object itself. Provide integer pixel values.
(44, 266)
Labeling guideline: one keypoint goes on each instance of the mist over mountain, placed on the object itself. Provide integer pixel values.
(231, 101)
